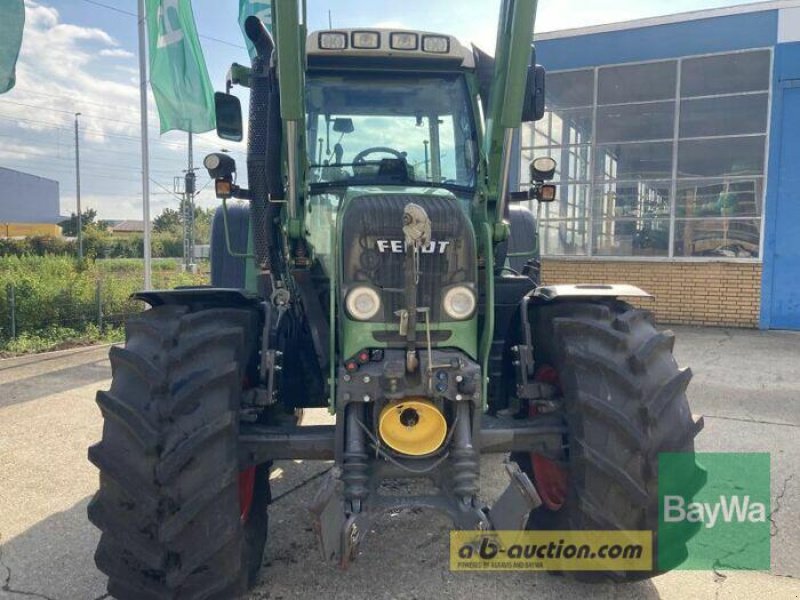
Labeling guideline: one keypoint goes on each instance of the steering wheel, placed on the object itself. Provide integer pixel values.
(360, 158)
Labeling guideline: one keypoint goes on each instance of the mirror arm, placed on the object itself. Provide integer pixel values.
(237, 75)
(520, 196)
(241, 193)
(535, 192)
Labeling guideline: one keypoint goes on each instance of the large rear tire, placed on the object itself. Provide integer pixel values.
(624, 404)
(169, 504)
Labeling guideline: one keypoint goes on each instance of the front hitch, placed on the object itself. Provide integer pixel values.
(341, 524)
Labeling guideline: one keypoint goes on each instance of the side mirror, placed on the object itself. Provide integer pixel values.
(229, 117)
(343, 125)
(533, 108)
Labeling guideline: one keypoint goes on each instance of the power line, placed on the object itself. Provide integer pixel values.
(78, 103)
(91, 150)
(66, 112)
(21, 90)
(132, 14)
(59, 126)
(114, 8)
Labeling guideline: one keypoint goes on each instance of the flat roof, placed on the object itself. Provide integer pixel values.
(23, 173)
(696, 15)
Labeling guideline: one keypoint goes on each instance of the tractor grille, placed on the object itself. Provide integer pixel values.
(373, 250)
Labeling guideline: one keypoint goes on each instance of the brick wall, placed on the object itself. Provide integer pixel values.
(710, 293)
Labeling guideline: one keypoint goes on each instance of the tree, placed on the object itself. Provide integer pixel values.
(105, 224)
(202, 224)
(169, 221)
(69, 227)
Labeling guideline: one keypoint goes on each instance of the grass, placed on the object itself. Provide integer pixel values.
(61, 302)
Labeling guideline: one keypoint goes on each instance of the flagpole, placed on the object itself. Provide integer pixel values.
(145, 147)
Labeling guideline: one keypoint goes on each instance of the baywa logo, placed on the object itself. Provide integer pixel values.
(730, 508)
(714, 511)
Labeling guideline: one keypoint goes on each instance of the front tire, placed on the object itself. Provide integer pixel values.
(169, 504)
(624, 404)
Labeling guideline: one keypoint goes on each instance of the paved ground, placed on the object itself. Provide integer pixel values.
(747, 384)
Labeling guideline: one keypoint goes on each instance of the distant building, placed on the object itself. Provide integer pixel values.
(128, 228)
(678, 149)
(29, 205)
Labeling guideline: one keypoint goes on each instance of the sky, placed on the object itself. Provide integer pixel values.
(80, 56)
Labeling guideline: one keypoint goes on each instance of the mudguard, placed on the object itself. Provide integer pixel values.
(553, 292)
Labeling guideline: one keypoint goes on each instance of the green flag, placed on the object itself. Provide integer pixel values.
(178, 73)
(261, 9)
(12, 20)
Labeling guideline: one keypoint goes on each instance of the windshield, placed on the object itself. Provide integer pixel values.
(372, 130)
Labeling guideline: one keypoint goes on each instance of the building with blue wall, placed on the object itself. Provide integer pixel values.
(29, 205)
(678, 140)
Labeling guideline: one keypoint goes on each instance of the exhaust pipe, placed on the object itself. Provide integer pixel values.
(260, 36)
(265, 138)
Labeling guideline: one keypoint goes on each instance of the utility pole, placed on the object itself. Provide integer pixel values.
(78, 186)
(188, 211)
(145, 146)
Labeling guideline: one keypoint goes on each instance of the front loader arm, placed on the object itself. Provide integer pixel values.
(512, 59)
(290, 35)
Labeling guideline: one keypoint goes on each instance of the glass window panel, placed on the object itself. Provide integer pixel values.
(726, 74)
(634, 161)
(719, 198)
(526, 135)
(570, 89)
(728, 115)
(721, 157)
(575, 126)
(563, 238)
(562, 127)
(636, 122)
(572, 202)
(637, 83)
(718, 238)
(642, 237)
(543, 132)
(632, 199)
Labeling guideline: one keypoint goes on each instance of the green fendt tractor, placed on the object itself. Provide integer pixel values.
(377, 267)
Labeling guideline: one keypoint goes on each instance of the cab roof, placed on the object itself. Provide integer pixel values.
(401, 45)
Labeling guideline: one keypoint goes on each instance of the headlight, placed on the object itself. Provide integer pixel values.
(366, 40)
(363, 303)
(459, 303)
(435, 43)
(403, 41)
(332, 40)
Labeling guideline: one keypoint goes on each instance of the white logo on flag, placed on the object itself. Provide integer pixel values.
(169, 35)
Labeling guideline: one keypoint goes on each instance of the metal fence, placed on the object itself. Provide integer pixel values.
(94, 304)
(70, 312)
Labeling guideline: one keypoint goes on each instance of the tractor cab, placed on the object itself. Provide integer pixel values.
(391, 119)
(390, 107)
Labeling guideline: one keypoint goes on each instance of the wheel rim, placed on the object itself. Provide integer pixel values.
(550, 478)
(551, 481)
(247, 486)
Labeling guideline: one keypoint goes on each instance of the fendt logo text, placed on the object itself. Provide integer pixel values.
(731, 509)
(399, 247)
